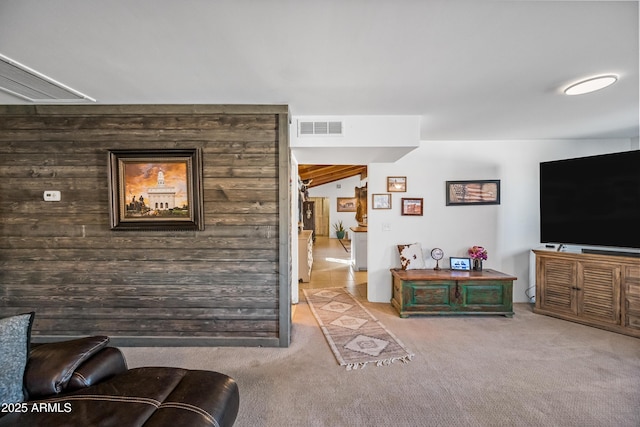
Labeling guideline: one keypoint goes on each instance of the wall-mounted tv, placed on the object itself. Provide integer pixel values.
(591, 201)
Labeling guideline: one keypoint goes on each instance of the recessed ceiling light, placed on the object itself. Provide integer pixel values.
(591, 85)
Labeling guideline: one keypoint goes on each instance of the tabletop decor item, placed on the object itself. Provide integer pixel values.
(477, 254)
(437, 254)
(411, 256)
(456, 263)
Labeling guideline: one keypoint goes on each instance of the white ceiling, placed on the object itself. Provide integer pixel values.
(472, 69)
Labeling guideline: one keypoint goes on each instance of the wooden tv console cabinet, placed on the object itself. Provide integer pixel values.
(445, 292)
(592, 289)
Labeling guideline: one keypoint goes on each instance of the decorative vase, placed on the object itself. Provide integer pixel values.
(477, 264)
(340, 234)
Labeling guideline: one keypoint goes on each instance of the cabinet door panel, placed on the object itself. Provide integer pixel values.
(558, 283)
(430, 296)
(632, 296)
(633, 321)
(484, 294)
(599, 298)
(487, 296)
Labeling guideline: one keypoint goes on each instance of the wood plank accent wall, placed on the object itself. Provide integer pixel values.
(226, 285)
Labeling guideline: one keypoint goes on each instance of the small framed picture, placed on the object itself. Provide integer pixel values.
(483, 192)
(412, 207)
(397, 184)
(460, 263)
(346, 204)
(381, 201)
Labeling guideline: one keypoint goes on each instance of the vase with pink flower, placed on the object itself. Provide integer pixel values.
(477, 254)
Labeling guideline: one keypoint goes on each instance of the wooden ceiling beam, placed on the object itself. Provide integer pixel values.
(324, 174)
(334, 176)
(328, 171)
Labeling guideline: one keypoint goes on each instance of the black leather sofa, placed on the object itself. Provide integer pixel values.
(84, 382)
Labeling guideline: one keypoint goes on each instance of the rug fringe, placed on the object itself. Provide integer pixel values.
(383, 362)
(353, 366)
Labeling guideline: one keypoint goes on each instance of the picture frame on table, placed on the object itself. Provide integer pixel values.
(462, 264)
(156, 189)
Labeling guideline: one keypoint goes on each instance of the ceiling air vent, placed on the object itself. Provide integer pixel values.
(323, 128)
(23, 82)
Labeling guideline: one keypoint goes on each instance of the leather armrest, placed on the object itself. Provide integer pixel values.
(105, 364)
(51, 365)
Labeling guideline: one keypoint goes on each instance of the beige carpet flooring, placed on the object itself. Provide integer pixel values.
(530, 370)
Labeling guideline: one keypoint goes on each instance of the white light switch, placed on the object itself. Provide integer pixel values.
(51, 196)
(386, 226)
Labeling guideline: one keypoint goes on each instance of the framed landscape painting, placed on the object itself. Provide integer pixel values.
(156, 189)
(346, 204)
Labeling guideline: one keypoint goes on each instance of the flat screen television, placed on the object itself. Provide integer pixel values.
(591, 201)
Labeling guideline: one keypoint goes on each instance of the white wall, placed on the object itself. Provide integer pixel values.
(331, 191)
(508, 230)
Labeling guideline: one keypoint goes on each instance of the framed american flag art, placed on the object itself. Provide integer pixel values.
(482, 192)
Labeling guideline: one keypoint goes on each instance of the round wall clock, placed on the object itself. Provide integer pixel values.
(437, 254)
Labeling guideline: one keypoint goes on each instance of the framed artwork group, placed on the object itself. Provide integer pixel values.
(458, 193)
(397, 184)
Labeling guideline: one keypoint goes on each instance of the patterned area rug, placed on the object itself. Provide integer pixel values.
(354, 335)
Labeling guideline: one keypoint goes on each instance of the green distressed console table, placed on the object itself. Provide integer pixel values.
(446, 292)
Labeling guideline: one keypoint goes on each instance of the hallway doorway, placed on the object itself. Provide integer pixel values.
(332, 268)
